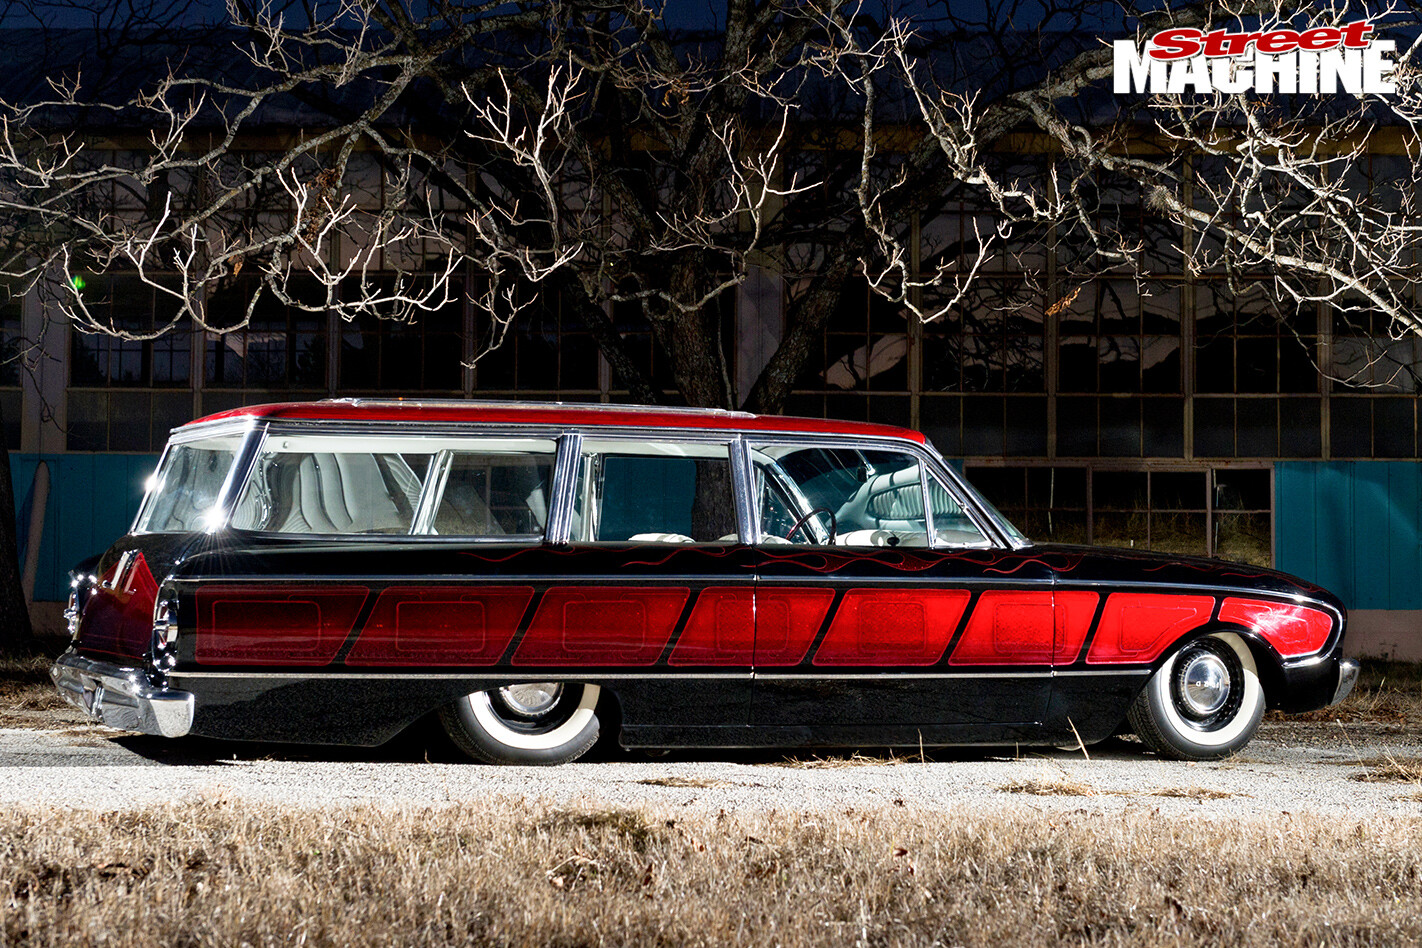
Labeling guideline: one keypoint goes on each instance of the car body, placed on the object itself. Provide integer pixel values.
(331, 572)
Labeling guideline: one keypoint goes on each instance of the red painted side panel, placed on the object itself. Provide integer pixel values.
(1017, 627)
(892, 627)
(787, 619)
(274, 624)
(441, 625)
(1075, 610)
(119, 620)
(1137, 627)
(1292, 630)
(601, 625)
(720, 630)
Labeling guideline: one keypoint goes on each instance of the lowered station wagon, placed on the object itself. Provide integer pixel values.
(332, 572)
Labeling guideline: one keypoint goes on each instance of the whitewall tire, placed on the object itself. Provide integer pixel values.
(1204, 702)
(526, 723)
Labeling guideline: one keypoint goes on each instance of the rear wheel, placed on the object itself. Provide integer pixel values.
(546, 722)
(1204, 702)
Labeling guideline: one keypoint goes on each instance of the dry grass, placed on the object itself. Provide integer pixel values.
(1387, 769)
(1052, 787)
(28, 697)
(1387, 693)
(855, 759)
(220, 873)
(1065, 786)
(699, 783)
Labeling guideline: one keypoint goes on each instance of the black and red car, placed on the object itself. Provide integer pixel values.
(331, 572)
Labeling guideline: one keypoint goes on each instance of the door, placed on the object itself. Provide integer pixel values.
(656, 590)
(883, 614)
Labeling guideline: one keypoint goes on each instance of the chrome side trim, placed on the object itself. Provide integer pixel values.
(734, 673)
(122, 697)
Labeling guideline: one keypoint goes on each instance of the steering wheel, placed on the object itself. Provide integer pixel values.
(799, 524)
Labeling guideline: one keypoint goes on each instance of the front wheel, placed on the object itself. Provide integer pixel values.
(546, 722)
(1204, 702)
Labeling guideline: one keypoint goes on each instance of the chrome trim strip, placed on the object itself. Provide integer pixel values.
(494, 403)
(743, 489)
(122, 697)
(491, 673)
(564, 488)
(733, 672)
(1106, 671)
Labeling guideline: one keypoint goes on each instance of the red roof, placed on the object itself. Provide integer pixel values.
(549, 413)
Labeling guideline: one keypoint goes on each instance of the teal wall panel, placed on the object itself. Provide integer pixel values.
(1353, 528)
(92, 500)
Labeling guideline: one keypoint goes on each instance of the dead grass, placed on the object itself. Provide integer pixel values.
(1054, 787)
(28, 697)
(1388, 769)
(843, 762)
(699, 783)
(223, 873)
(1387, 693)
(1065, 786)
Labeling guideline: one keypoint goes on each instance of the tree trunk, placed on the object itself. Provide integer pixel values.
(16, 635)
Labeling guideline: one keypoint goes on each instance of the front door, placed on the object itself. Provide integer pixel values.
(878, 624)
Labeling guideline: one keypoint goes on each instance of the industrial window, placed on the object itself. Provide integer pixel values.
(1221, 512)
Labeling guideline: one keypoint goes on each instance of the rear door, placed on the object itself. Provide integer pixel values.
(883, 613)
(656, 590)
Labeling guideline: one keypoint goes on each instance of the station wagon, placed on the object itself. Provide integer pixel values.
(535, 574)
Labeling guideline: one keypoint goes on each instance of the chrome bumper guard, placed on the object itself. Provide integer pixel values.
(1347, 678)
(122, 697)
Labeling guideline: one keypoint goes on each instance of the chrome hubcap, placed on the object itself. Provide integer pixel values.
(1205, 684)
(532, 699)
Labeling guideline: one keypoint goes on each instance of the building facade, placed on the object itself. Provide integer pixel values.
(1193, 413)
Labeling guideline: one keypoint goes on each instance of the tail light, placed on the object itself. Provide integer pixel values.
(165, 628)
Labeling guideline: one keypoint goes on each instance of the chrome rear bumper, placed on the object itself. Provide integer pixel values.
(1347, 678)
(122, 697)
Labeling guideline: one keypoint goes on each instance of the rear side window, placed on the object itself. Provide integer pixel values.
(184, 493)
(654, 492)
(327, 485)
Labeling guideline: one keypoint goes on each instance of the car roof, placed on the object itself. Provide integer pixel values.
(552, 413)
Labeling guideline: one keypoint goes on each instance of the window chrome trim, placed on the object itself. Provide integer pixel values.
(563, 488)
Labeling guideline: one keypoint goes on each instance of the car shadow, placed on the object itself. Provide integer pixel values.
(425, 742)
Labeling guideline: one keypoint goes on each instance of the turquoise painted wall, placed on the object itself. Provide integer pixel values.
(92, 501)
(1353, 528)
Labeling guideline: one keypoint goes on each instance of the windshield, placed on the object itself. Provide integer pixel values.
(188, 486)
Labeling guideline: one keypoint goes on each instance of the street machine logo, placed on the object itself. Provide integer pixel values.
(1322, 60)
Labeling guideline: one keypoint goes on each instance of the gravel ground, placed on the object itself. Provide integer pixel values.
(1291, 768)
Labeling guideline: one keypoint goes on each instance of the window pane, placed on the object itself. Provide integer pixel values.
(851, 497)
(186, 487)
(334, 486)
(654, 492)
(496, 489)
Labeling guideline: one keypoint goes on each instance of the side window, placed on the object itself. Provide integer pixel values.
(497, 488)
(329, 485)
(852, 497)
(654, 492)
